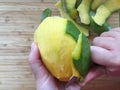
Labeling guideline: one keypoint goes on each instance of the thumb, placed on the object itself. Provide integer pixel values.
(44, 79)
(36, 65)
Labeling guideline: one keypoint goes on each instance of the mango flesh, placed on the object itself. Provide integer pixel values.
(56, 48)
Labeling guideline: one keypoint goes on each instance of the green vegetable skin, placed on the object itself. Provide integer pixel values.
(105, 10)
(83, 10)
(67, 43)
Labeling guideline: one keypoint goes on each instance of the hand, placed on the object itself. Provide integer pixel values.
(44, 80)
(106, 53)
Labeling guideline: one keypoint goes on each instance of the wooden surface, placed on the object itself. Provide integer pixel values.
(18, 20)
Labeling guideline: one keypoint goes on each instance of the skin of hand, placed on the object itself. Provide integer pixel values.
(105, 52)
(44, 80)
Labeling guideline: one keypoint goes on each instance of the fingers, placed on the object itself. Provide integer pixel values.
(101, 56)
(74, 86)
(94, 73)
(116, 29)
(36, 65)
(114, 33)
(105, 48)
(104, 42)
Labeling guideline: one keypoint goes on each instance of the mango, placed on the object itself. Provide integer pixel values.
(64, 50)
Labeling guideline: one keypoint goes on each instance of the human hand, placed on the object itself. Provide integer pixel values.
(44, 80)
(105, 52)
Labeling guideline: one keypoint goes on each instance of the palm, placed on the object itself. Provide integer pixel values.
(44, 80)
(51, 83)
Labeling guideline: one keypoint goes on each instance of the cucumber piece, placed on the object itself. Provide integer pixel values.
(45, 13)
(105, 10)
(83, 10)
(81, 56)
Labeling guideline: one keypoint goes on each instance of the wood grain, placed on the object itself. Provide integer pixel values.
(18, 20)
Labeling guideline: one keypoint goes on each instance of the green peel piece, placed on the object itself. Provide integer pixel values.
(105, 10)
(45, 13)
(72, 30)
(63, 11)
(102, 14)
(82, 63)
(70, 5)
(96, 28)
(77, 3)
(96, 4)
(83, 10)
(77, 51)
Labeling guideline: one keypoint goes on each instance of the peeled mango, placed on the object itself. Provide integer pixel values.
(64, 50)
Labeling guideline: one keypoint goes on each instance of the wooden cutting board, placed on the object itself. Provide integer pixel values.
(18, 20)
